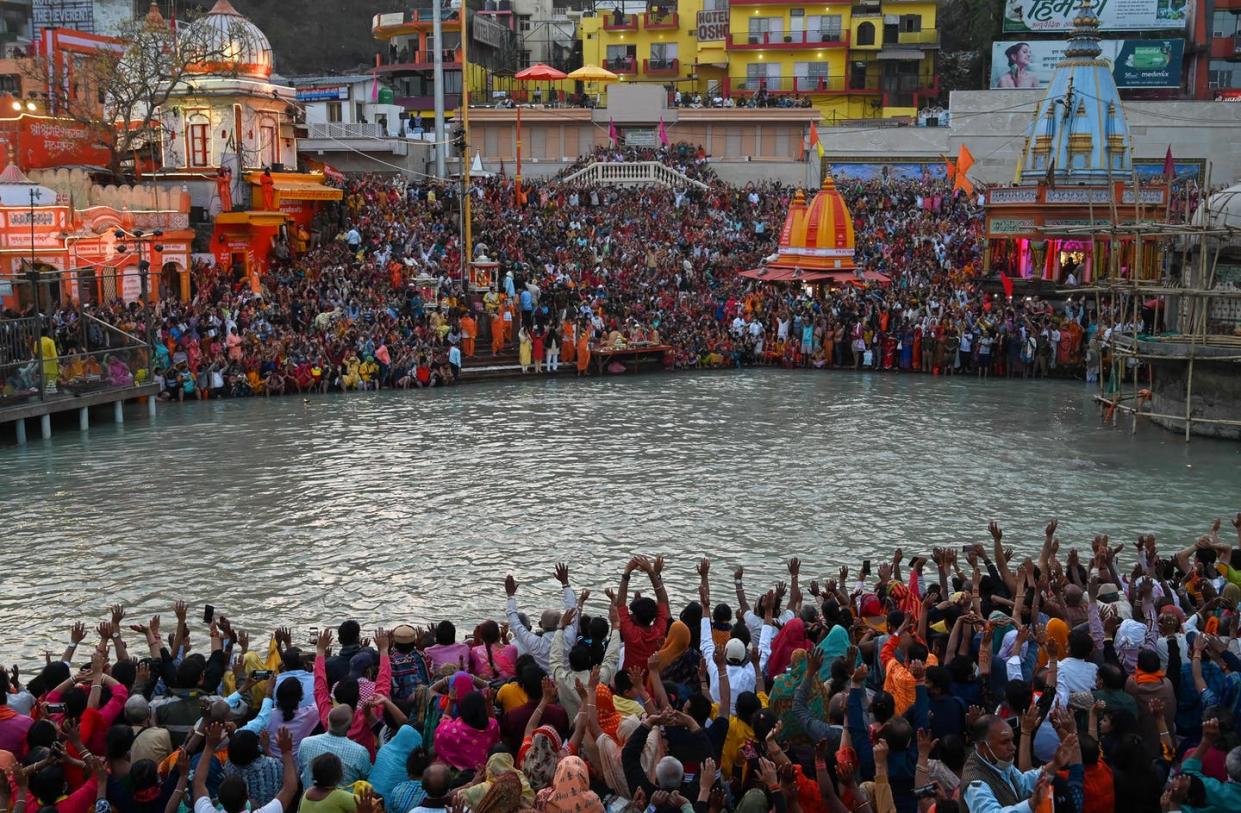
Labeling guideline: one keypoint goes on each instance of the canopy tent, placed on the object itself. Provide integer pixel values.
(539, 73)
(593, 73)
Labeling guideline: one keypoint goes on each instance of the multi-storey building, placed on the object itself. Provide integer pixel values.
(406, 60)
(1223, 74)
(868, 59)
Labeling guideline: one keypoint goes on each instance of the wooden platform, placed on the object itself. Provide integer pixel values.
(63, 401)
(631, 357)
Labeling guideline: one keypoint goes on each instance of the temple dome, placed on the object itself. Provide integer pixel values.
(229, 43)
(1079, 131)
(818, 236)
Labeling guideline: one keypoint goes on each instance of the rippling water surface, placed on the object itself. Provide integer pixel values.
(394, 507)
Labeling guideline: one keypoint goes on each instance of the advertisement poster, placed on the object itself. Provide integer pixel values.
(1114, 15)
(1028, 64)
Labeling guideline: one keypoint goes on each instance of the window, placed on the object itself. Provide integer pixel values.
(199, 150)
(11, 83)
(269, 144)
(1224, 24)
(762, 76)
(866, 34)
(333, 112)
(1221, 74)
(662, 54)
(619, 57)
(525, 21)
(810, 76)
(766, 29)
(911, 23)
(823, 28)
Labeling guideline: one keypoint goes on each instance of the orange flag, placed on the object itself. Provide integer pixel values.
(814, 139)
(950, 169)
(965, 160)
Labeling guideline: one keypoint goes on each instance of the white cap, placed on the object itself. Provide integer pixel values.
(734, 651)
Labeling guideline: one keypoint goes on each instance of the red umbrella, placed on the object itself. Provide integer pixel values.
(540, 73)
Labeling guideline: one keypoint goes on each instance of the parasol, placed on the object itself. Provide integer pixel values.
(592, 73)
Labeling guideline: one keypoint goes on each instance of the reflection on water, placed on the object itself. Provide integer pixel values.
(412, 506)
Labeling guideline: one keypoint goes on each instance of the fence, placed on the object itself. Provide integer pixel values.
(90, 356)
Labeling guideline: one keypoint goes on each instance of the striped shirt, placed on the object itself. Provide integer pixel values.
(355, 760)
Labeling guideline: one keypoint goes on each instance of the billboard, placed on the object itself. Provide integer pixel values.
(1114, 15)
(1024, 64)
(76, 14)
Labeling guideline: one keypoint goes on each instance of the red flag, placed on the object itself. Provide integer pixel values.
(663, 133)
(1008, 285)
(1169, 166)
(612, 134)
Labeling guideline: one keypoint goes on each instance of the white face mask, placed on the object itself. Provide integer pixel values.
(1001, 764)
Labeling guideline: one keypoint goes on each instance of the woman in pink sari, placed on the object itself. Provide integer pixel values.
(464, 741)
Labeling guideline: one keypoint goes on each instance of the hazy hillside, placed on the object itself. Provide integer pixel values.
(312, 36)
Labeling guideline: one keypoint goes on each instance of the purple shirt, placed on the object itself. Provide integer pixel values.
(458, 655)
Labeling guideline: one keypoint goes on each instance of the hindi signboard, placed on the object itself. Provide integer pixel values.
(1024, 64)
(712, 25)
(1114, 15)
(323, 94)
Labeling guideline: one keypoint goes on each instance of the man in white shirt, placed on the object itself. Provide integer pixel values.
(233, 795)
(1075, 673)
(740, 670)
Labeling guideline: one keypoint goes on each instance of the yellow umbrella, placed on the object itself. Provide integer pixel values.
(592, 73)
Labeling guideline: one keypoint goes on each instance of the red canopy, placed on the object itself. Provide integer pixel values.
(775, 274)
(539, 73)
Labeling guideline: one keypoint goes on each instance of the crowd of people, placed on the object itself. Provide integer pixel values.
(952, 680)
(377, 301)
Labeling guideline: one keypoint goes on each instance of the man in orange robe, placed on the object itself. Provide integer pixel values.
(497, 332)
(583, 352)
(469, 330)
(568, 342)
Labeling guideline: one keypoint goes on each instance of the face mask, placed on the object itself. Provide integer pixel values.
(1000, 764)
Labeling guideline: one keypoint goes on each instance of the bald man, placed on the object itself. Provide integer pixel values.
(355, 760)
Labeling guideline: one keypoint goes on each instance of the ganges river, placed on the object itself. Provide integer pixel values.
(391, 507)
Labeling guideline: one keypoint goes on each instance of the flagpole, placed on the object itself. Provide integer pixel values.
(517, 189)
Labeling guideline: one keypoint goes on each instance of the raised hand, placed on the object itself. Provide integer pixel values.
(562, 573)
(997, 533)
(180, 609)
(569, 615)
(118, 615)
(794, 566)
(325, 641)
(926, 743)
(704, 568)
(77, 632)
(382, 640)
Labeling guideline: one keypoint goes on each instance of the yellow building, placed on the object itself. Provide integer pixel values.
(865, 59)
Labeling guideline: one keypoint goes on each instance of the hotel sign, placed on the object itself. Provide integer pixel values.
(712, 25)
(76, 14)
(487, 31)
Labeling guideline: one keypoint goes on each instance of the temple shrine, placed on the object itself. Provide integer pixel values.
(816, 244)
(229, 137)
(1075, 185)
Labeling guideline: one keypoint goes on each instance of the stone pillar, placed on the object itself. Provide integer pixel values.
(45, 426)
(118, 411)
(83, 419)
(20, 426)
(151, 405)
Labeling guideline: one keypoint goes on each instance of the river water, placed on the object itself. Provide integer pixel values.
(393, 507)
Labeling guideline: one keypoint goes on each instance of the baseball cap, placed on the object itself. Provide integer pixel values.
(734, 651)
(404, 634)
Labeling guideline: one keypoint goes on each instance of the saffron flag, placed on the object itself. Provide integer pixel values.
(814, 139)
(1169, 166)
(612, 134)
(965, 160)
(663, 133)
(1007, 283)
(950, 169)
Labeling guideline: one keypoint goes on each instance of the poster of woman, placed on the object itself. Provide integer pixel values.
(1016, 70)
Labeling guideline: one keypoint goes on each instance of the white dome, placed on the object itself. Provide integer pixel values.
(229, 44)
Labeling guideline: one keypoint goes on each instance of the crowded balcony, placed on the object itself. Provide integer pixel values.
(813, 38)
(418, 61)
(624, 64)
(661, 21)
(661, 67)
(618, 21)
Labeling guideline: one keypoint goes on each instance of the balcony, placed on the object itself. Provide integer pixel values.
(620, 22)
(339, 130)
(626, 64)
(1228, 47)
(793, 40)
(669, 21)
(451, 102)
(920, 39)
(419, 61)
(661, 67)
(392, 24)
(744, 87)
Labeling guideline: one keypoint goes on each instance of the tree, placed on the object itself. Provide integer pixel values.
(118, 90)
